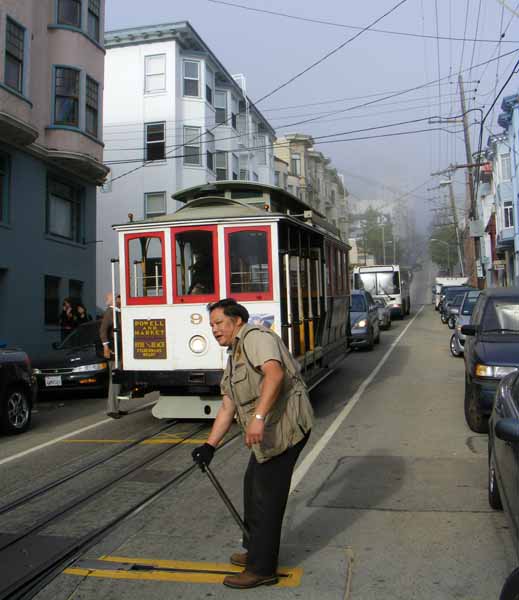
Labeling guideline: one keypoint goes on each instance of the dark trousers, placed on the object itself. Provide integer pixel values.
(266, 488)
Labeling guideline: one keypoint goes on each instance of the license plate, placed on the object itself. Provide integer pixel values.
(53, 380)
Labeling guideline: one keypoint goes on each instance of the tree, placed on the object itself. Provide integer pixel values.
(377, 227)
(444, 257)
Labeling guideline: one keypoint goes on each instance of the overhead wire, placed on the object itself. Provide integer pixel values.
(344, 26)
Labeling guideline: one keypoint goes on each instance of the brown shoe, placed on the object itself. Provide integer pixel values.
(246, 580)
(239, 559)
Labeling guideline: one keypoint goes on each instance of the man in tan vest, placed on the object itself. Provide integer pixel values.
(262, 386)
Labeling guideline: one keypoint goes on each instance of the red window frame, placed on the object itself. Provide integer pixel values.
(145, 300)
(195, 298)
(251, 296)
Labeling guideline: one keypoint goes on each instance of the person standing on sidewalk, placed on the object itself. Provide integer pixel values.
(106, 333)
(263, 387)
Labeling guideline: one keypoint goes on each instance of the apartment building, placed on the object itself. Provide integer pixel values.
(51, 86)
(174, 118)
(310, 176)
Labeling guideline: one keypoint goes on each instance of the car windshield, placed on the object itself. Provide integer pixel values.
(501, 316)
(450, 294)
(358, 304)
(85, 335)
(469, 303)
(458, 300)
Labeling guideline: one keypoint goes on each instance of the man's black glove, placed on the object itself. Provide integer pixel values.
(203, 455)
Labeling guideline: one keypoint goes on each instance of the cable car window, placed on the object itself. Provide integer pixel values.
(194, 253)
(145, 269)
(249, 266)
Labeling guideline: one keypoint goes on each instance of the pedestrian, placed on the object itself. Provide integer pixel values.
(67, 318)
(262, 385)
(82, 315)
(106, 333)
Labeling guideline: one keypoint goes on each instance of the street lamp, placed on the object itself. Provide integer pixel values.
(448, 252)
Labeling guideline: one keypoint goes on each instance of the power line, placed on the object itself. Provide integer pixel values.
(332, 52)
(354, 27)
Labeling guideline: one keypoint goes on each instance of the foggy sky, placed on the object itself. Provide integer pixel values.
(270, 49)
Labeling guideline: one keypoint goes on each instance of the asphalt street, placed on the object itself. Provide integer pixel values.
(389, 497)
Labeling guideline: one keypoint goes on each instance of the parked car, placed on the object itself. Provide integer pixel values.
(453, 309)
(503, 463)
(447, 296)
(74, 364)
(365, 329)
(457, 341)
(17, 390)
(384, 313)
(491, 351)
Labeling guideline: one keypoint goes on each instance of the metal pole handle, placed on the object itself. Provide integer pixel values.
(226, 500)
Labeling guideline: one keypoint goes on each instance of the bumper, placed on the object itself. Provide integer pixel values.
(359, 338)
(174, 382)
(72, 381)
(485, 393)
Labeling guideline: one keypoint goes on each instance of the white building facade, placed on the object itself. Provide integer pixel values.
(174, 118)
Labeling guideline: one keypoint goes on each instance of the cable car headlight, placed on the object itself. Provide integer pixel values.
(198, 344)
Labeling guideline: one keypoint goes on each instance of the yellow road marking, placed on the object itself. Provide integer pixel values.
(144, 443)
(194, 572)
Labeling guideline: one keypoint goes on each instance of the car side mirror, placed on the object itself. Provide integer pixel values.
(55, 345)
(508, 430)
(469, 329)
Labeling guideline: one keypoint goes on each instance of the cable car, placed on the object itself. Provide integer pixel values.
(255, 243)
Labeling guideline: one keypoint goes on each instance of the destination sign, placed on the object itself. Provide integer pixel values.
(149, 338)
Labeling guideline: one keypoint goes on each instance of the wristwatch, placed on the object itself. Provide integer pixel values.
(259, 417)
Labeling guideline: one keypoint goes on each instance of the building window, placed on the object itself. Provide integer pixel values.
(506, 171)
(155, 73)
(276, 178)
(220, 104)
(221, 165)
(235, 167)
(209, 85)
(94, 14)
(261, 150)
(290, 188)
(295, 164)
(154, 204)
(64, 211)
(508, 213)
(191, 78)
(255, 177)
(52, 305)
(92, 107)
(155, 141)
(192, 154)
(14, 52)
(75, 290)
(66, 101)
(234, 113)
(4, 189)
(69, 12)
(210, 150)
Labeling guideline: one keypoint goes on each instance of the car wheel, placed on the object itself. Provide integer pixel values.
(455, 351)
(16, 416)
(510, 589)
(494, 498)
(451, 323)
(475, 420)
(388, 323)
(369, 345)
(377, 339)
(443, 318)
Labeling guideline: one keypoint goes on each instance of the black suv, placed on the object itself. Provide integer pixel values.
(17, 390)
(491, 351)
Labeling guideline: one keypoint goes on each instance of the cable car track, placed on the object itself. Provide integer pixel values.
(28, 587)
(40, 491)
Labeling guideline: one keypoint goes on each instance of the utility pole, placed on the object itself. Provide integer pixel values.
(472, 246)
(456, 227)
(383, 244)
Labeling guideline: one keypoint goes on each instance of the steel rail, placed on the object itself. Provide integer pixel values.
(49, 486)
(31, 585)
(79, 501)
